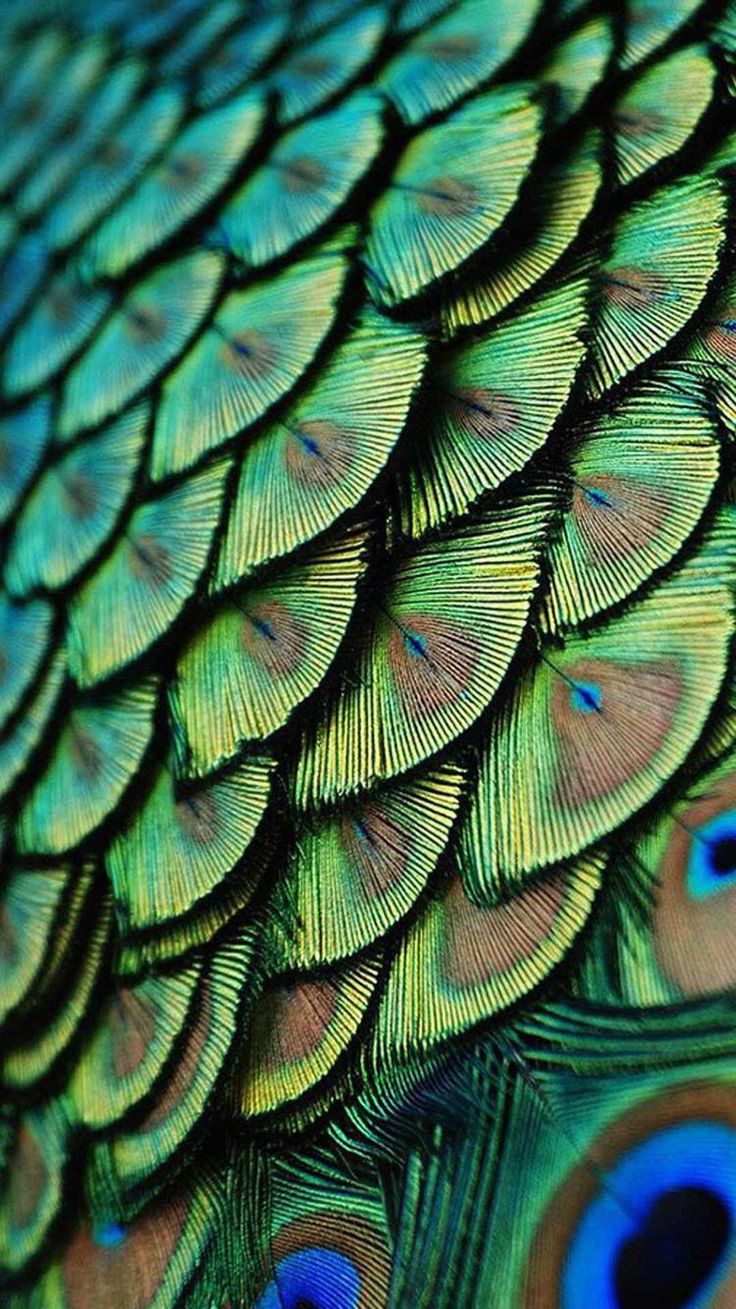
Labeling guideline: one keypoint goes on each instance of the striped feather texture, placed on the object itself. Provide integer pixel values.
(367, 699)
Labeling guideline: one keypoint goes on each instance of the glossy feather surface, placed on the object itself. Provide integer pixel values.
(367, 699)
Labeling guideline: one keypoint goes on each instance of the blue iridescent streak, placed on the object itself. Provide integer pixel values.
(597, 498)
(586, 697)
(416, 645)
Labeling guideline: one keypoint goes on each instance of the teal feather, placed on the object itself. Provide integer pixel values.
(367, 632)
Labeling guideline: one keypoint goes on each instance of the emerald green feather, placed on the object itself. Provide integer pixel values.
(304, 182)
(200, 834)
(367, 684)
(494, 403)
(142, 586)
(139, 340)
(452, 189)
(600, 724)
(257, 348)
(263, 650)
(433, 652)
(115, 163)
(95, 757)
(320, 458)
(662, 256)
(313, 72)
(454, 55)
(196, 166)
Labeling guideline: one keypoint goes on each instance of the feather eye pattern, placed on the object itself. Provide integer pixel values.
(304, 182)
(156, 1254)
(38, 119)
(434, 653)
(639, 484)
(258, 346)
(460, 959)
(625, 1170)
(582, 746)
(452, 188)
(75, 506)
(367, 689)
(495, 402)
(140, 339)
(319, 460)
(676, 881)
(327, 1235)
(195, 167)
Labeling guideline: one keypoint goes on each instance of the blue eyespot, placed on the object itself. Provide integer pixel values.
(663, 1230)
(315, 1278)
(109, 1235)
(712, 864)
(264, 628)
(361, 831)
(597, 498)
(308, 443)
(416, 645)
(586, 697)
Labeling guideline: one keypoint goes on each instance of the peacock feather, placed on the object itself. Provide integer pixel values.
(367, 683)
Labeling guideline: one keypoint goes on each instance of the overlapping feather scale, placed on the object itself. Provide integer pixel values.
(367, 775)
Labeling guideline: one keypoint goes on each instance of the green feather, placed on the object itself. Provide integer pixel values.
(451, 191)
(95, 758)
(256, 349)
(140, 339)
(367, 686)
(306, 180)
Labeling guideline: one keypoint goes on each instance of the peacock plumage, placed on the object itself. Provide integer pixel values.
(367, 686)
